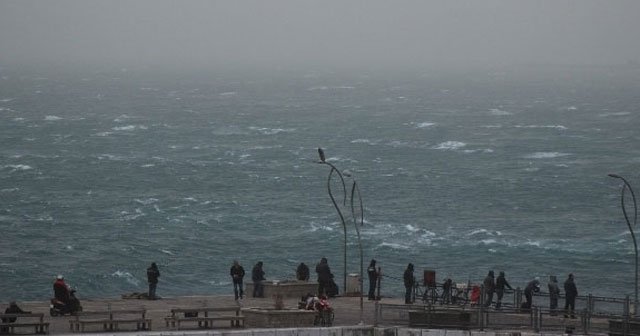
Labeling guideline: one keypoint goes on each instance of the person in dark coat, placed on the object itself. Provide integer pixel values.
(532, 287)
(570, 294)
(302, 272)
(447, 286)
(237, 275)
(489, 288)
(257, 276)
(373, 279)
(501, 283)
(409, 282)
(153, 273)
(554, 293)
(324, 277)
(12, 309)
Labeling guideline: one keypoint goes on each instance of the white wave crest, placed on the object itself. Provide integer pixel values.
(394, 246)
(498, 112)
(110, 157)
(127, 276)
(477, 231)
(560, 127)
(317, 227)
(323, 88)
(424, 124)
(146, 201)
(52, 118)
(18, 167)
(450, 145)
(365, 141)
(129, 128)
(545, 155)
(412, 228)
(271, 131)
(230, 93)
(614, 114)
(121, 118)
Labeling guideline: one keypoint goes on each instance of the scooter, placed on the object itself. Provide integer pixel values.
(59, 308)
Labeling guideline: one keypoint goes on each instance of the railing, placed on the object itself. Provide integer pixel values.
(595, 314)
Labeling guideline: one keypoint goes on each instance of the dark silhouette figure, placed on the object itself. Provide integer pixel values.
(571, 292)
(409, 282)
(501, 283)
(12, 309)
(489, 288)
(257, 276)
(325, 277)
(373, 279)
(237, 274)
(302, 272)
(532, 287)
(447, 286)
(554, 293)
(153, 273)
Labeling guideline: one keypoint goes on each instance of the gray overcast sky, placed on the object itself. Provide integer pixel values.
(320, 33)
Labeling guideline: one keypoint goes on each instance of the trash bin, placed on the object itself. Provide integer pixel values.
(353, 284)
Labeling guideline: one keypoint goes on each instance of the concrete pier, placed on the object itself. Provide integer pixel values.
(347, 318)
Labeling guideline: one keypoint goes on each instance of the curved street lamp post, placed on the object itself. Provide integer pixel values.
(633, 236)
(354, 191)
(335, 205)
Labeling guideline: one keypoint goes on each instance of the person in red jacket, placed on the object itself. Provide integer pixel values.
(61, 290)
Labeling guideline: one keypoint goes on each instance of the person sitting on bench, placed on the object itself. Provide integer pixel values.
(12, 309)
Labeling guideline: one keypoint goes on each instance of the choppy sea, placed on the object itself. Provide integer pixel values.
(104, 171)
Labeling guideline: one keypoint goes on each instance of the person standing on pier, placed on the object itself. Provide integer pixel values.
(152, 278)
(302, 272)
(324, 277)
(489, 288)
(409, 282)
(570, 294)
(257, 276)
(554, 293)
(532, 286)
(373, 279)
(501, 283)
(237, 274)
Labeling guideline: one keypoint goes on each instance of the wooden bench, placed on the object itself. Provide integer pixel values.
(204, 316)
(35, 321)
(110, 319)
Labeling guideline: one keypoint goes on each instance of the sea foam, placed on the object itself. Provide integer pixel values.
(450, 145)
(545, 155)
(498, 112)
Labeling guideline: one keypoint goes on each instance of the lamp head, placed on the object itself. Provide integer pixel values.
(321, 153)
(615, 176)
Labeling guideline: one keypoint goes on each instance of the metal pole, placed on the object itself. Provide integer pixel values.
(633, 236)
(354, 189)
(335, 204)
